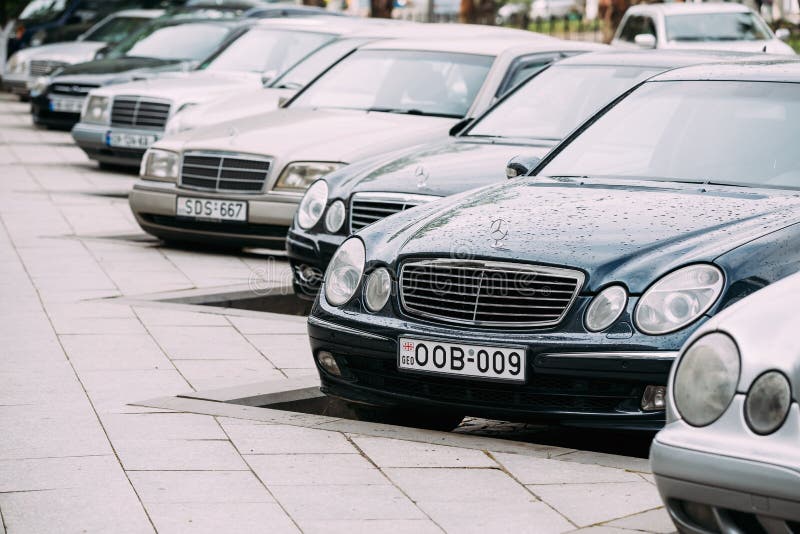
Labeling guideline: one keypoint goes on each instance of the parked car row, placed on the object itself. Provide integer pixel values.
(496, 223)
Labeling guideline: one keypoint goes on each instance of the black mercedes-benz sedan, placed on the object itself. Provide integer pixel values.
(527, 123)
(167, 44)
(566, 294)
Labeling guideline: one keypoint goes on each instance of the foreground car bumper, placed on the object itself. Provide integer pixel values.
(154, 206)
(735, 493)
(44, 116)
(580, 379)
(95, 141)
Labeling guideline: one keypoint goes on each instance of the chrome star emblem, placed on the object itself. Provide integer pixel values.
(421, 174)
(498, 231)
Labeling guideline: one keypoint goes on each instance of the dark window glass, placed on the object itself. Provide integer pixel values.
(716, 27)
(635, 25)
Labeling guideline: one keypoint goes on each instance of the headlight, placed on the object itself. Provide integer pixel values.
(334, 219)
(706, 379)
(678, 299)
(313, 204)
(160, 165)
(377, 289)
(768, 402)
(96, 110)
(606, 308)
(298, 176)
(344, 272)
(40, 85)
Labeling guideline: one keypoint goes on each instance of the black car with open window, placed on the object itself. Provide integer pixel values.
(565, 295)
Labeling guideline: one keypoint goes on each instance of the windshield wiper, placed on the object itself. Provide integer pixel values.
(288, 85)
(413, 111)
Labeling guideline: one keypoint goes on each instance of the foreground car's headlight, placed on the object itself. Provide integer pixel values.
(606, 308)
(768, 402)
(313, 204)
(97, 110)
(298, 176)
(344, 272)
(678, 299)
(706, 379)
(161, 165)
(334, 219)
(377, 289)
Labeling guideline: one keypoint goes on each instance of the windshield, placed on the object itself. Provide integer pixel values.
(301, 74)
(267, 51)
(194, 41)
(693, 131)
(115, 30)
(554, 102)
(400, 81)
(43, 9)
(716, 27)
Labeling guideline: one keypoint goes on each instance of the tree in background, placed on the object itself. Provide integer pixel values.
(9, 9)
(381, 9)
(477, 11)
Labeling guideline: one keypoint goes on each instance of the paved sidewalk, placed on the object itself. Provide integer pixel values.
(76, 456)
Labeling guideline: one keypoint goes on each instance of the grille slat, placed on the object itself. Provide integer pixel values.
(224, 172)
(366, 208)
(45, 67)
(488, 293)
(139, 112)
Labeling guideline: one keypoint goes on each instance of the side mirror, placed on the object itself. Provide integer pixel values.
(521, 166)
(645, 40)
(460, 126)
(783, 34)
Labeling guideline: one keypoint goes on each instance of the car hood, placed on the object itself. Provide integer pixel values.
(71, 52)
(773, 46)
(441, 168)
(241, 104)
(182, 87)
(295, 134)
(119, 71)
(613, 230)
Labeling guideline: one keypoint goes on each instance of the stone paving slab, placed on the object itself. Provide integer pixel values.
(86, 337)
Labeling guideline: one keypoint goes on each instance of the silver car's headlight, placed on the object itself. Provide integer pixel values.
(768, 402)
(706, 379)
(678, 299)
(344, 272)
(299, 175)
(606, 308)
(97, 110)
(160, 165)
(312, 205)
(40, 85)
(16, 65)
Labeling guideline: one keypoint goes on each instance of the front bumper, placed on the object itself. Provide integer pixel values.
(268, 217)
(44, 116)
(94, 140)
(739, 478)
(309, 256)
(578, 379)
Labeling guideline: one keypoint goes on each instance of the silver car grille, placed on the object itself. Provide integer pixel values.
(139, 112)
(488, 293)
(41, 67)
(367, 208)
(237, 173)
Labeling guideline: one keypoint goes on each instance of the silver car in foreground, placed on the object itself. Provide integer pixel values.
(728, 460)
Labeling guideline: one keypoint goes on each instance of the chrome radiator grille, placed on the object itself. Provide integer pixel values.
(224, 172)
(43, 68)
(367, 208)
(488, 293)
(139, 112)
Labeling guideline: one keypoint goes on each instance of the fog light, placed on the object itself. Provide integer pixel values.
(654, 398)
(309, 274)
(701, 515)
(328, 362)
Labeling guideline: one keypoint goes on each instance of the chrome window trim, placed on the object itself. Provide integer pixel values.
(223, 154)
(643, 355)
(575, 274)
(344, 329)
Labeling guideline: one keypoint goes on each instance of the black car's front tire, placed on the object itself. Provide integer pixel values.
(414, 417)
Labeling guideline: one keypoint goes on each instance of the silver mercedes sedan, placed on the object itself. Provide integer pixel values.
(239, 183)
(728, 460)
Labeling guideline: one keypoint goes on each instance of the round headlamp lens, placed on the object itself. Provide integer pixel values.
(606, 308)
(706, 379)
(334, 219)
(313, 205)
(768, 402)
(344, 272)
(377, 289)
